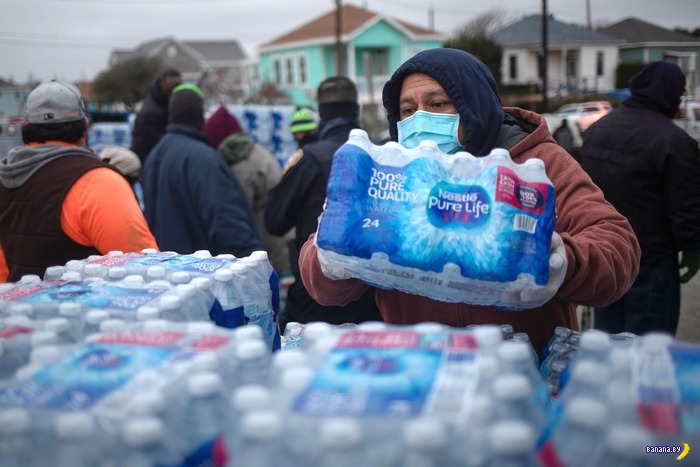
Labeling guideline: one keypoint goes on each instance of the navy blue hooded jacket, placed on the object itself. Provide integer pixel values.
(469, 84)
(647, 166)
(193, 200)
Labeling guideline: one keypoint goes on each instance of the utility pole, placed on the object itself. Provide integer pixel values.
(588, 15)
(339, 52)
(431, 15)
(545, 56)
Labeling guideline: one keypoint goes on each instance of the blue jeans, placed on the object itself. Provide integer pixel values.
(652, 304)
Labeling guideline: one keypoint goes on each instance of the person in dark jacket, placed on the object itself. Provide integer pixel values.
(649, 169)
(297, 201)
(193, 201)
(151, 120)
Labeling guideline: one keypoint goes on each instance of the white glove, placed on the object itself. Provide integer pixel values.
(525, 294)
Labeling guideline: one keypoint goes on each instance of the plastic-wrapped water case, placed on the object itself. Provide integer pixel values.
(455, 228)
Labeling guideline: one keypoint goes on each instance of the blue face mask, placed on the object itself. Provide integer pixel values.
(422, 125)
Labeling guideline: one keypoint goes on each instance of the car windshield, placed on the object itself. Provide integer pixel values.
(567, 109)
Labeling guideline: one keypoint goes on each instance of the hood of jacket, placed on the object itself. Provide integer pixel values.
(236, 147)
(660, 86)
(469, 84)
(160, 99)
(23, 161)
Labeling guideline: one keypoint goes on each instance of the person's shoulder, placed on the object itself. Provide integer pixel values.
(294, 161)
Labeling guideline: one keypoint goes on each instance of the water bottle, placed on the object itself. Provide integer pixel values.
(516, 357)
(75, 315)
(507, 331)
(488, 337)
(231, 313)
(75, 442)
(244, 399)
(425, 443)
(71, 276)
(620, 403)
(21, 309)
(171, 308)
(473, 426)
(592, 344)
(514, 400)
(194, 304)
(95, 270)
(292, 336)
(204, 286)
(154, 273)
(262, 444)
(54, 273)
(133, 280)
(288, 359)
(488, 369)
(587, 378)
(559, 335)
(204, 418)
(313, 332)
(146, 444)
(16, 446)
(93, 318)
(523, 337)
(246, 333)
(340, 442)
(512, 444)
(255, 296)
(46, 354)
(625, 446)
(116, 273)
(582, 430)
(253, 362)
(147, 312)
(180, 277)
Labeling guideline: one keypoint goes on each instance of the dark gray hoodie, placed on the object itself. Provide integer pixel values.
(23, 161)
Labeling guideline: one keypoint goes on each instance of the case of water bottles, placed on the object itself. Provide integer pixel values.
(159, 392)
(456, 228)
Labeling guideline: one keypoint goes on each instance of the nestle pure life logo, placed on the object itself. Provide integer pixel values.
(458, 206)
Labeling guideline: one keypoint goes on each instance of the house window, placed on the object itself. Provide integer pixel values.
(380, 62)
(303, 78)
(171, 51)
(599, 64)
(277, 72)
(513, 67)
(289, 68)
(571, 68)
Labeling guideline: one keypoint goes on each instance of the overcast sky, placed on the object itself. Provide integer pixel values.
(72, 39)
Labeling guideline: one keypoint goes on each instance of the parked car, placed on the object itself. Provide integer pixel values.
(583, 113)
(689, 119)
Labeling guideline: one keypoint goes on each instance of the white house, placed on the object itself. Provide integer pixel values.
(579, 60)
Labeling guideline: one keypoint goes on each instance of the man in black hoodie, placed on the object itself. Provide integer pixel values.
(297, 201)
(152, 119)
(649, 169)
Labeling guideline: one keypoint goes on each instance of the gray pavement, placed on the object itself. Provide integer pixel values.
(689, 325)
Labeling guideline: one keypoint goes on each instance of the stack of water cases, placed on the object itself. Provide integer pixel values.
(158, 392)
(140, 286)
(622, 400)
(456, 228)
(269, 126)
(152, 393)
(427, 394)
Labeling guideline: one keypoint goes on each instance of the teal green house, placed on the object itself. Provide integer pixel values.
(371, 47)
